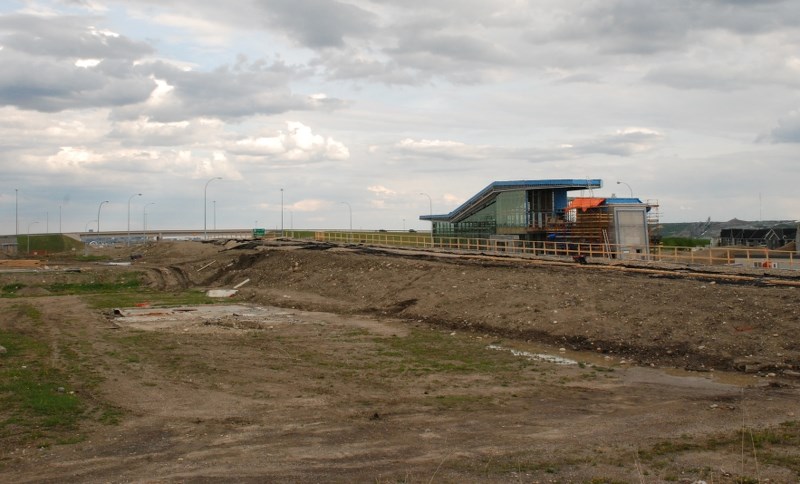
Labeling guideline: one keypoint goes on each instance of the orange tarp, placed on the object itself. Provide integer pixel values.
(585, 203)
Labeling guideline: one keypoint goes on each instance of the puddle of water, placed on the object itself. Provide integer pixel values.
(631, 374)
(683, 379)
(558, 360)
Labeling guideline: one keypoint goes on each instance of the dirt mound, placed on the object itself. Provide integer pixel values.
(32, 291)
(183, 249)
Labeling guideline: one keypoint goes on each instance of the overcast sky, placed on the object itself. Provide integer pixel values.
(694, 103)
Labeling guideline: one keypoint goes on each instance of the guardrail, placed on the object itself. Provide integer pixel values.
(742, 256)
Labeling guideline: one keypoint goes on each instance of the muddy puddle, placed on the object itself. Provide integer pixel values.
(628, 372)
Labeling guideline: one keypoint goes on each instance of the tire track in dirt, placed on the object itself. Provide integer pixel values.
(165, 278)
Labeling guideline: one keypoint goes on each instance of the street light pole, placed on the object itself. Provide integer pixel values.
(629, 187)
(205, 206)
(350, 209)
(430, 211)
(129, 216)
(281, 212)
(144, 221)
(98, 215)
(16, 211)
(29, 236)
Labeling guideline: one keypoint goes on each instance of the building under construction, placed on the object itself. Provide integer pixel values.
(543, 210)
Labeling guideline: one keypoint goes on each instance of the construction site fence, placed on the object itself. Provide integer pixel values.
(741, 256)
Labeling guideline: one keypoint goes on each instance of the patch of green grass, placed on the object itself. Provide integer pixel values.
(157, 299)
(18, 346)
(11, 289)
(773, 445)
(33, 396)
(82, 284)
(132, 346)
(29, 312)
(37, 403)
(71, 439)
(128, 281)
(667, 447)
(435, 352)
(110, 415)
(50, 243)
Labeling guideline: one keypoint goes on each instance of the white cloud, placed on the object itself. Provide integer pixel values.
(87, 62)
(207, 31)
(297, 144)
(71, 158)
(451, 199)
(309, 205)
(382, 191)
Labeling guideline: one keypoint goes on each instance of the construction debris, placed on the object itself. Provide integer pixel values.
(237, 286)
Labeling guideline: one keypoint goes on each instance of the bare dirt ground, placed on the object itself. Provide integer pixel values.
(356, 364)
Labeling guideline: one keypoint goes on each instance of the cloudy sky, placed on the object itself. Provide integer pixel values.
(694, 103)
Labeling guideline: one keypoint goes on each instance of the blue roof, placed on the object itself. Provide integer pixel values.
(504, 186)
(620, 201)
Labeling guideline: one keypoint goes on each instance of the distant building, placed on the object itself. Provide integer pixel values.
(8, 244)
(542, 210)
(771, 238)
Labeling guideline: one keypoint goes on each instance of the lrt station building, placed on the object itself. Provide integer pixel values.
(546, 210)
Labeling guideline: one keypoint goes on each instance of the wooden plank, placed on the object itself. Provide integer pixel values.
(20, 263)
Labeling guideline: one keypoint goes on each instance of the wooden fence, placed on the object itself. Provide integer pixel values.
(742, 256)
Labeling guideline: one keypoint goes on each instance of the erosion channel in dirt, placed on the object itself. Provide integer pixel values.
(357, 364)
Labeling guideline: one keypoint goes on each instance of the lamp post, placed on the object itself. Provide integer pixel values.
(430, 210)
(629, 187)
(129, 216)
(144, 220)
(29, 236)
(205, 205)
(281, 212)
(16, 211)
(350, 209)
(98, 215)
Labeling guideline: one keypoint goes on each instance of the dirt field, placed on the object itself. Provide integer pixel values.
(355, 364)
